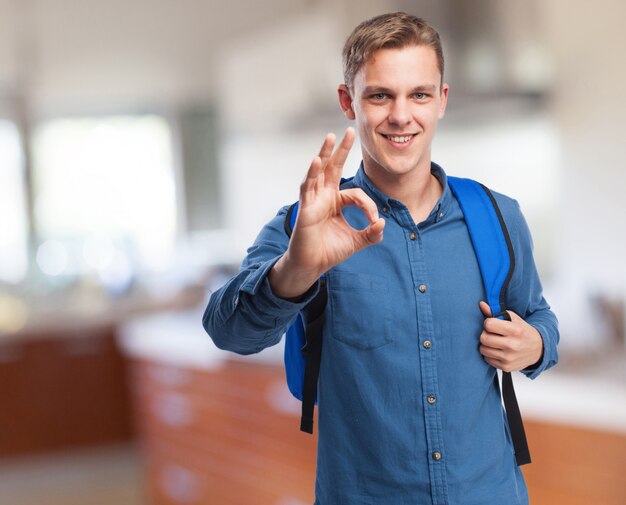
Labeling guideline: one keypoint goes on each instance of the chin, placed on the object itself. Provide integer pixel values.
(401, 168)
(393, 166)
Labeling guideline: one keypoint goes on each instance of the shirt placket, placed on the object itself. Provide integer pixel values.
(428, 343)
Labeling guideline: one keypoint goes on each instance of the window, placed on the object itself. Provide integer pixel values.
(13, 252)
(105, 197)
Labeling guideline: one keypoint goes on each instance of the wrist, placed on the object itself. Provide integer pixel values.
(291, 282)
(538, 354)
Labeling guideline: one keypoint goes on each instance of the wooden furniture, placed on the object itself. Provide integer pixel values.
(575, 466)
(229, 436)
(62, 388)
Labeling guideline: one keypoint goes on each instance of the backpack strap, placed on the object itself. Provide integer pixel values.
(311, 323)
(496, 260)
(312, 350)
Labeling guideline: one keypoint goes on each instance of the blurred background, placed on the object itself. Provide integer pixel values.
(142, 146)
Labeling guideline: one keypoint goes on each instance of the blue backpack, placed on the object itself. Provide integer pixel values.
(492, 245)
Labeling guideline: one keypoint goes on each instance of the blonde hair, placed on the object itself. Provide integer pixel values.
(387, 31)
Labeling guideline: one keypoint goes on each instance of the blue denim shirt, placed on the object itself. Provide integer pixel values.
(409, 411)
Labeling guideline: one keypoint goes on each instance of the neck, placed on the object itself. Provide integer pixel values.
(419, 190)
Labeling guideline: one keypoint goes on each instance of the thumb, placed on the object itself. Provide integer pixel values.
(485, 309)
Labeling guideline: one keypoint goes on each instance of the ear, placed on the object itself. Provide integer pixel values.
(444, 99)
(345, 101)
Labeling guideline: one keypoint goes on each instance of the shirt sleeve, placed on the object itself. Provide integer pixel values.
(244, 316)
(525, 294)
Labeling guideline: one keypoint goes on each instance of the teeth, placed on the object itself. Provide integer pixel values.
(401, 140)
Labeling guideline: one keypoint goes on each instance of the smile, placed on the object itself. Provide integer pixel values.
(400, 139)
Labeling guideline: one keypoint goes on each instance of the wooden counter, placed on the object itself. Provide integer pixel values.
(575, 466)
(229, 436)
(62, 388)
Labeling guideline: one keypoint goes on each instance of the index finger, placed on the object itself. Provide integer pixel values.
(335, 163)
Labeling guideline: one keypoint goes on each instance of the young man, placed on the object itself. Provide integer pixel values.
(409, 402)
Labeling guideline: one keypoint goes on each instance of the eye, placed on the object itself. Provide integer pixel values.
(420, 96)
(378, 96)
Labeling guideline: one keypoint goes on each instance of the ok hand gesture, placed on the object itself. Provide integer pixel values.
(322, 238)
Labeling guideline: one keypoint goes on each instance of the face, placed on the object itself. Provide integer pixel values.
(397, 100)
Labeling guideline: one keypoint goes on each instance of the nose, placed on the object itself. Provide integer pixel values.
(399, 114)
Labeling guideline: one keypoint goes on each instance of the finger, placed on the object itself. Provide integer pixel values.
(371, 235)
(338, 158)
(358, 197)
(485, 309)
(497, 326)
(327, 147)
(496, 363)
(317, 165)
(492, 341)
(490, 352)
(310, 180)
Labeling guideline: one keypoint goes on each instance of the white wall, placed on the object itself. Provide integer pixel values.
(101, 54)
(589, 105)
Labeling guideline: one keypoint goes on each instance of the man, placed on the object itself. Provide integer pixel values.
(409, 403)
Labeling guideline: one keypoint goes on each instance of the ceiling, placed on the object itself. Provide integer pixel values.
(64, 53)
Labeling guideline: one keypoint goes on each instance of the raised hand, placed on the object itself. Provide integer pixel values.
(322, 238)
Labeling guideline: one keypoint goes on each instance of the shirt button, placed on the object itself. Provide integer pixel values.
(422, 288)
(426, 344)
(431, 399)
(413, 235)
(436, 455)
(385, 209)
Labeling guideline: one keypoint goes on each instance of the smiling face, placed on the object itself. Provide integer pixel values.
(397, 100)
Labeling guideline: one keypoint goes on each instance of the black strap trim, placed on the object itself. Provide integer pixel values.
(513, 413)
(314, 316)
(287, 223)
(516, 426)
(509, 246)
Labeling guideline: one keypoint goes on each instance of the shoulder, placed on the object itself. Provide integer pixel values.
(277, 224)
(272, 240)
(509, 207)
(513, 218)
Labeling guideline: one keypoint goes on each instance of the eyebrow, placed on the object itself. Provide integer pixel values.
(424, 88)
(430, 88)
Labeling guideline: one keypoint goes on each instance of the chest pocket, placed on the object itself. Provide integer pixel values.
(360, 315)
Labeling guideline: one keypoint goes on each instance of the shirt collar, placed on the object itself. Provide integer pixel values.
(385, 202)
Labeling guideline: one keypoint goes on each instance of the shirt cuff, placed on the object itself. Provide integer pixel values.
(257, 284)
(546, 361)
